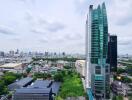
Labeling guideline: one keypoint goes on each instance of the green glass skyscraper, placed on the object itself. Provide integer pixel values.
(96, 52)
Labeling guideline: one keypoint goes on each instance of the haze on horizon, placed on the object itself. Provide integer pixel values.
(59, 25)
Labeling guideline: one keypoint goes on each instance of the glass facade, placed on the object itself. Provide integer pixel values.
(99, 36)
(99, 49)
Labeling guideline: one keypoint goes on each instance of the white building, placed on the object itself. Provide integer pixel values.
(80, 67)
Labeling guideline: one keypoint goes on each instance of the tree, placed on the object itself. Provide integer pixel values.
(67, 67)
(114, 98)
(9, 79)
(120, 70)
(58, 77)
(28, 70)
(120, 97)
(3, 88)
(117, 97)
(129, 70)
(126, 80)
(63, 72)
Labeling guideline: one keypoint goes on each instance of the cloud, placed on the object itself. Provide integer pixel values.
(16, 39)
(6, 30)
(42, 25)
(124, 41)
(44, 40)
(37, 31)
(50, 26)
(73, 37)
(120, 11)
(55, 27)
(25, 1)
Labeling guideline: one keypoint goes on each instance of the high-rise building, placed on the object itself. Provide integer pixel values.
(97, 73)
(112, 53)
(2, 54)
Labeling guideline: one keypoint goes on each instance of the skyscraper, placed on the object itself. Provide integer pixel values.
(97, 73)
(112, 53)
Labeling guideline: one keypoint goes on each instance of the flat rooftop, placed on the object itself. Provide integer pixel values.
(24, 81)
(33, 90)
(41, 84)
(21, 83)
(10, 65)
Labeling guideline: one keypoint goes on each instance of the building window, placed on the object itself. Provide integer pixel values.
(106, 69)
(98, 70)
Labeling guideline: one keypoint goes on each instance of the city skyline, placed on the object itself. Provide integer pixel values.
(33, 25)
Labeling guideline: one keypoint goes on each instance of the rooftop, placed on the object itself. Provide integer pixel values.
(41, 84)
(119, 84)
(33, 90)
(21, 83)
(10, 65)
(55, 87)
(81, 61)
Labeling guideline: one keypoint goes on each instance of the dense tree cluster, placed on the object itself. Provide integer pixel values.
(120, 70)
(7, 79)
(117, 97)
(42, 75)
(72, 59)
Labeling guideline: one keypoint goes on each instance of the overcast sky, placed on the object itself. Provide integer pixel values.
(59, 25)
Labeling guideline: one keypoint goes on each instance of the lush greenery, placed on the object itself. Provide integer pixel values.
(28, 70)
(129, 70)
(7, 79)
(117, 97)
(120, 70)
(42, 75)
(125, 79)
(67, 67)
(72, 59)
(71, 86)
(3, 88)
(58, 77)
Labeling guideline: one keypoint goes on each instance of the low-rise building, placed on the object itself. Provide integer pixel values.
(33, 94)
(20, 84)
(121, 88)
(12, 67)
(39, 90)
(121, 66)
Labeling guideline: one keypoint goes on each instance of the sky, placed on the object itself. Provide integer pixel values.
(59, 25)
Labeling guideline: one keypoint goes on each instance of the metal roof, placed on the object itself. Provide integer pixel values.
(33, 90)
(20, 83)
(55, 87)
(24, 81)
(41, 84)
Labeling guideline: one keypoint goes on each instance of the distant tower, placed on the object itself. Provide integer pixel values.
(2, 54)
(17, 51)
(97, 73)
